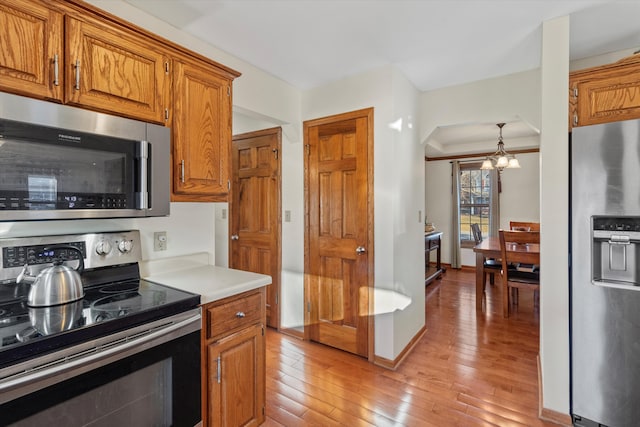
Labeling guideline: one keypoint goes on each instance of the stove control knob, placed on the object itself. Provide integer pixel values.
(103, 247)
(124, 246)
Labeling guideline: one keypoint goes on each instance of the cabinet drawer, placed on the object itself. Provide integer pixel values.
(236, 314)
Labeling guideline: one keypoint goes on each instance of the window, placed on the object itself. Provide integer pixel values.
(475, 201)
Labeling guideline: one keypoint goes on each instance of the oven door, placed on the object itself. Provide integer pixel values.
(148, 378)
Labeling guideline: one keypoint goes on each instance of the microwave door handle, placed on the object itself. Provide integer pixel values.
(144, 154)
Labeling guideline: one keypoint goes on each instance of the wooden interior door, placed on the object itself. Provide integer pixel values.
(255, 231)
(338, 256)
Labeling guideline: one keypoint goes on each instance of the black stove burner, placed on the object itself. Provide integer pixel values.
(120, 287)
(116, 305)
(13, 313)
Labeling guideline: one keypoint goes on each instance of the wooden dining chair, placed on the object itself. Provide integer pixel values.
(490, 266)
(512, 278)
(524, 226)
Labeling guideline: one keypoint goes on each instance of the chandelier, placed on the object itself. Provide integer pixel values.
(500, 159)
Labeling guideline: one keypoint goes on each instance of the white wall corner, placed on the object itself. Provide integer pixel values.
(554, 208)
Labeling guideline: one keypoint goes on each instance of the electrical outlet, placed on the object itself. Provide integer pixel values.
(287, 216)
(224, 214)
(160, 241)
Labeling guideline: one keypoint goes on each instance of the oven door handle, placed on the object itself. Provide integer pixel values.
(71, 365)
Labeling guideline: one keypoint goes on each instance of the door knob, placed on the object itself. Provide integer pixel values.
(234, 237)
(360, 250)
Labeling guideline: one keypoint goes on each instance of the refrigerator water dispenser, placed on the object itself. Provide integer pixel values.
(615, 251)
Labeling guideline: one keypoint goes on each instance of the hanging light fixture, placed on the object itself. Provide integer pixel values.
(500, 159)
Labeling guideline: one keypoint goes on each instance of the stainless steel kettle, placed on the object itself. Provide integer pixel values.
(58, 284)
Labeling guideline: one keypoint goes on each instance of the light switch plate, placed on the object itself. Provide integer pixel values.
(160, 241)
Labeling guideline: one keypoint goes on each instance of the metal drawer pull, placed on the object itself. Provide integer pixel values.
(240, 314)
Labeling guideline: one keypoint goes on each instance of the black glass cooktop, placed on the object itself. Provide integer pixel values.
(106, 308)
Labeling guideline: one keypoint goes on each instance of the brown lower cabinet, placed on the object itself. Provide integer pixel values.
(233, 360)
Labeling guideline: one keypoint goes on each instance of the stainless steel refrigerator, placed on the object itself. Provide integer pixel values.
(605, 277)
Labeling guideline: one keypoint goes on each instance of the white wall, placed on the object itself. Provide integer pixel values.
(292, 278)
(491, 100)
(486, 101)
(189, 229)
(398, 197)
(256, 94)
(519, 199)
(606, 58)
(408, 207)
(254, 91)
(554, 216)
(261, 93)
(539, 97)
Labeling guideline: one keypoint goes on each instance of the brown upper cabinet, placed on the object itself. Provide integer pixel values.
(606, 93)
(201, 133)
(114, 70)
(31, 49)
(74, 53)
(56, 54)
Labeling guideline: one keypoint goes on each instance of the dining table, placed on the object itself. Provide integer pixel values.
(489, 247)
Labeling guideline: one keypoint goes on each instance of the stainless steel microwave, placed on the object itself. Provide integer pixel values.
(61, 162)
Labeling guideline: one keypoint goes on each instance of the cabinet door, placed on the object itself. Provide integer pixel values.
(116, 71)
(236, 379)
(31, 49)
(605, 94)
(201, 133)
(608, 100)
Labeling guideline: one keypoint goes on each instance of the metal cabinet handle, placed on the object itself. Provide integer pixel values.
(234, 237)
(360, 250)
(218, 367)
(56, 75)
(182, 171)
(77, 86)
(240, 314)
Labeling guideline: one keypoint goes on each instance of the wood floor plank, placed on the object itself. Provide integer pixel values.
(468, 369)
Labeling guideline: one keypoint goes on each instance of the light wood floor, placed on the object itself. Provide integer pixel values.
(468, 370)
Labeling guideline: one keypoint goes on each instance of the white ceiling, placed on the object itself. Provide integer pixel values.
(474, 138)
(436, 43)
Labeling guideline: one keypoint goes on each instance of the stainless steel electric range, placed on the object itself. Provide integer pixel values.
(128, 352)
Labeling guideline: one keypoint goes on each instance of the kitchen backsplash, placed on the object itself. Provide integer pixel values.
(190, 228)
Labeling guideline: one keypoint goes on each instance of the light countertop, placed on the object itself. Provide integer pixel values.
(192, 273)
